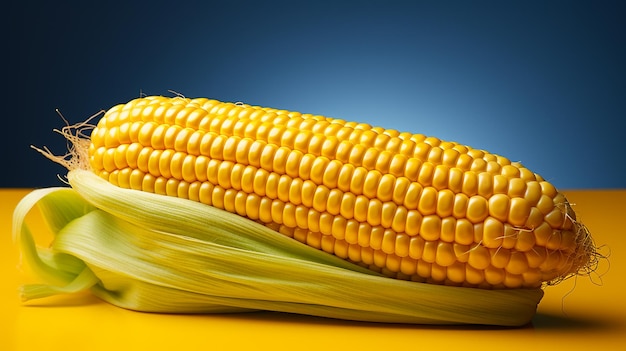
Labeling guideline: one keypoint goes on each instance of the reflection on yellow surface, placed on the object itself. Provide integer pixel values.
(578, 314)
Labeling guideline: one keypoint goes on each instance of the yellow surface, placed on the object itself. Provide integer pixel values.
(578, 314)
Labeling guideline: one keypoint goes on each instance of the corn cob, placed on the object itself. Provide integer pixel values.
(405, 205)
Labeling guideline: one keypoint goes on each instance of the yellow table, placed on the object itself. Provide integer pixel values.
(578, 314)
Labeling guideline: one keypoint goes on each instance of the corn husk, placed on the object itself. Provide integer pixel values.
(155, 253)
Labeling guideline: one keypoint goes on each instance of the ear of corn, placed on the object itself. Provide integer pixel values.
(441, 217)
(409, 206)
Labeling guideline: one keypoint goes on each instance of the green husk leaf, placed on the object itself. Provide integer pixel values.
(156, 253)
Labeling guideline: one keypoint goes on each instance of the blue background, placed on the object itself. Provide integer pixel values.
(541, 82)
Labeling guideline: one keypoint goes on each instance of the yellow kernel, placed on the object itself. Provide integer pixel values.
(445, 254)
(485, 184)
(517, 263)
(119, 156)
(464, 232)
(364, 234)
(171, 187)
(438, 273)
(387, 214)
(542, 234)
(331, 174)
(292, 166)
(479, 257)
(302, 216)
(413, 195)
(383, 161)
(448, 229)
(338, 227)
(413, 222)
(548, 189)
(499, 206)
(149, 183)
(397, 165)
(517, 187)
(426, 173)
(519, 211)
(223, 174)
(271, 185)
(239, 203)
(136, 179)
(343, 151)
(513, 281)
(545, 204)
(374, 212)
(386, 187)
(289, 190)
(358, 180)
(376, 238)
(318, 169)
(370, 186)
(412, 168)
(455, 180)
(500, 184)
(456, 272)
(536, 257)
(459, 209)
(464, 162)
(493, 167)
(510, 171)
(493, 233)
(346, 208)
(474, 276)
(361, 206)
(259, 182)
(320, 198)
(253, 206)
(176, 165)
(370, 157)
(430, 251)
(398, 223)
(408, 266)
(169, 138)
(302, 141)
(430, 229)
(254, 153)
(333, 205)
(461, 252)
(478, 165)
(470, 183)
(356, 154)
(389, 242)
(277, 211)
(525, 241)
(494, 276)
(533, 192)
(477, 209)
(182, 139)
(554, 242)
(279, 161)
(242, 151)
(400, 188)
(500, 257)
(313, 220)
(555, 218)
(267, 157)
(164, 163)
(428, 201)
(445, 203)
(416, 247)
(440, 177)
